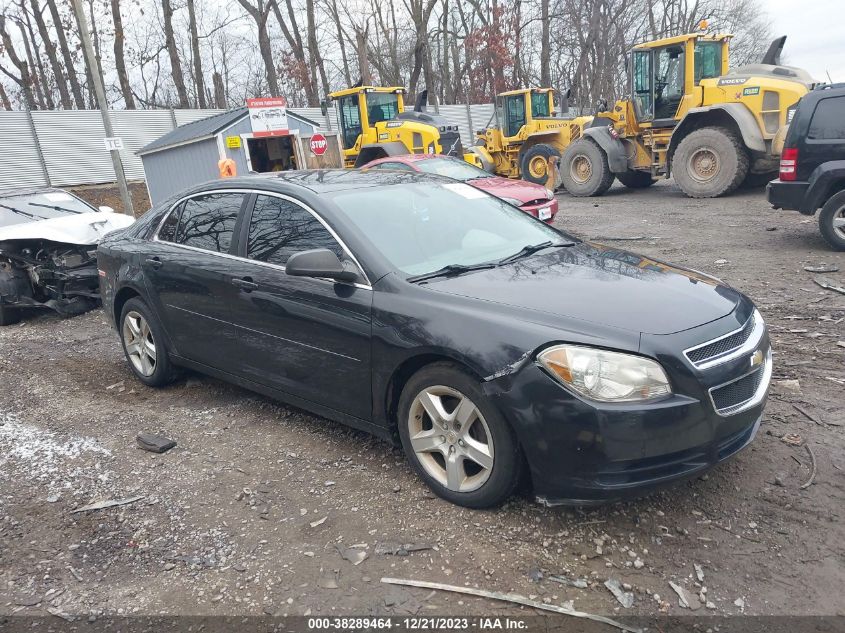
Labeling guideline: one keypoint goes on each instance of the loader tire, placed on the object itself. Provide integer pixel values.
(534, 164)
(709, 163)
(635, 179)
(584, 169)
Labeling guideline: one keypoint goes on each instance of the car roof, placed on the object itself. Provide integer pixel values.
(320, 180)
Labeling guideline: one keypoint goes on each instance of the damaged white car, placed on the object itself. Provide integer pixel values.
(48, 251)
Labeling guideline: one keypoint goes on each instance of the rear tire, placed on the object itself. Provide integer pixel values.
(143, 344)
(9, 316)
(709, 163)
(464, 450)
(534, 164)
(832, 221)
(584, 169)
(636, 179)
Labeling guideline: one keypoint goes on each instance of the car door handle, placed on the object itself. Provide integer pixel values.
(153, 262)
(245, 283)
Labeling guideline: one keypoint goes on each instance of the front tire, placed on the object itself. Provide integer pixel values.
(584, 169)
(534, 164)
(832, 221)
(635, 179)
(709, 163)
(143, 344)
(456, 440)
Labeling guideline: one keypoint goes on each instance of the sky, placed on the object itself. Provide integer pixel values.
(814, 33)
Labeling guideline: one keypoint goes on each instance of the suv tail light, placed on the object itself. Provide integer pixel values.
(788, 163)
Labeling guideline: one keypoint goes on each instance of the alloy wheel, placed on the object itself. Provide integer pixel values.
(839, 222)
(450, 438)
(139, 342)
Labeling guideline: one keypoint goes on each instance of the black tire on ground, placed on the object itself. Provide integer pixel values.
(163, 370)
(534, 163)
(709, 163)
(832, 221)
(9, 315)
(508, 464)
(635, 179)
(584, 169)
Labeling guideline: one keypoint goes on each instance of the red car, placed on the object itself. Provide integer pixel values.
(534, 199)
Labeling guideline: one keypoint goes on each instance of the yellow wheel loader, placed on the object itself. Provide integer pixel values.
(374, 124)
(690, 118)
(527, 138)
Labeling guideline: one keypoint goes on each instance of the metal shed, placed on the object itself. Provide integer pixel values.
(189, 154)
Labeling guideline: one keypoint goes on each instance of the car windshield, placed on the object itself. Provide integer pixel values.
(457, 169)
(39, 206)
(423, 227)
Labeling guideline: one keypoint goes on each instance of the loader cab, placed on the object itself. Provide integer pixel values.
(665, 74)
(519, 108)
(360, 108)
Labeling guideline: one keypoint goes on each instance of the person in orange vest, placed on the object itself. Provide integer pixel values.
(227, 168)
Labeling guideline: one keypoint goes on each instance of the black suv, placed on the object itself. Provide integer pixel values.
(812, 164)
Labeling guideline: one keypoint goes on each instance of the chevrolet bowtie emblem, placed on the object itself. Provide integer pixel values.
(757, 358)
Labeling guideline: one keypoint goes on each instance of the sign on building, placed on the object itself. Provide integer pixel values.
(268, 116)
(113, 143)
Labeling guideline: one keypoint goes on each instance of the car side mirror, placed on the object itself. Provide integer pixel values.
(319, 262)
(105, 209)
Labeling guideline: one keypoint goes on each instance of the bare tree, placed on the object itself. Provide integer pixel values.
(119, 57)
(195, 53)
(259, 13)
(173, 53)
(23, 78)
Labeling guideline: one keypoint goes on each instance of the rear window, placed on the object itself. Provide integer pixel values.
(828, 119)
(208, 221)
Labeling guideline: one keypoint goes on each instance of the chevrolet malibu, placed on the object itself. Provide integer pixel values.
(495, 348)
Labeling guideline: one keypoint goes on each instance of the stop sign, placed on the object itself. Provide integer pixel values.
(318, 144)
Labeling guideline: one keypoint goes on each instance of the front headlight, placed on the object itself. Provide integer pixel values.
(513, 201)
(606, 376)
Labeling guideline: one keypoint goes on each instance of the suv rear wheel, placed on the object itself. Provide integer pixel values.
(832, 221)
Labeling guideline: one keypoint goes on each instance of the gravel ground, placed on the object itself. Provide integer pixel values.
(255, 509)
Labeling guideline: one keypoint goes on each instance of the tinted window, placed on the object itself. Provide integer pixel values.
(279, 228)
(167, 232)
(708, 60)
(828, 119)
(208, 221)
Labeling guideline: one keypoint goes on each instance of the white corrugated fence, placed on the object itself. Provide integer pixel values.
(65, 147)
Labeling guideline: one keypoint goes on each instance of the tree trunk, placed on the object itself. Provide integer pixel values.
(24, 80)
(70, 69)
(260, 15)
(341, 40)
(50, 49)
(219, 91)
(545, 46)
(366, 77)
(4, 98)
(306, 75)
(195, 52)
(38, 76)
(119, 60)
(173, 53)
(314, 52)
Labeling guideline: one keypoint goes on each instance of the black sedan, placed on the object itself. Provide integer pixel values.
(492, 346)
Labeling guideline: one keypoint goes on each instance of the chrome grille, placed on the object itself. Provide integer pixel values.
(712, 350)
(729, 398)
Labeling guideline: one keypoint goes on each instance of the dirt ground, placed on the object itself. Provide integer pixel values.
(253, 510)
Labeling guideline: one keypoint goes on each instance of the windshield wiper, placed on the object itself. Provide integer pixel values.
(29, 215)
(450, 269)
(531, 249)
(55, 207)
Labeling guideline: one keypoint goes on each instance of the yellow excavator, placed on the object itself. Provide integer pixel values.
(528, 136)
(688, 117)
(374, 124)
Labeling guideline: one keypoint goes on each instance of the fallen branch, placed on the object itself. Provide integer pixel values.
(827, 284)
(808, 415)
(809, 482)
(510, 597)
(102, 505)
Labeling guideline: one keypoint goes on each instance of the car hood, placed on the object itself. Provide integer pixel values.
(83, 228)
(601, 285)
(507, 188)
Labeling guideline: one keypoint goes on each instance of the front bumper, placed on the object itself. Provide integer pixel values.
(583, 453)
(787, 195)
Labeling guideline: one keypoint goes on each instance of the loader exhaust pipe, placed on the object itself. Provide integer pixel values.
(422, 100)
(772, 56)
